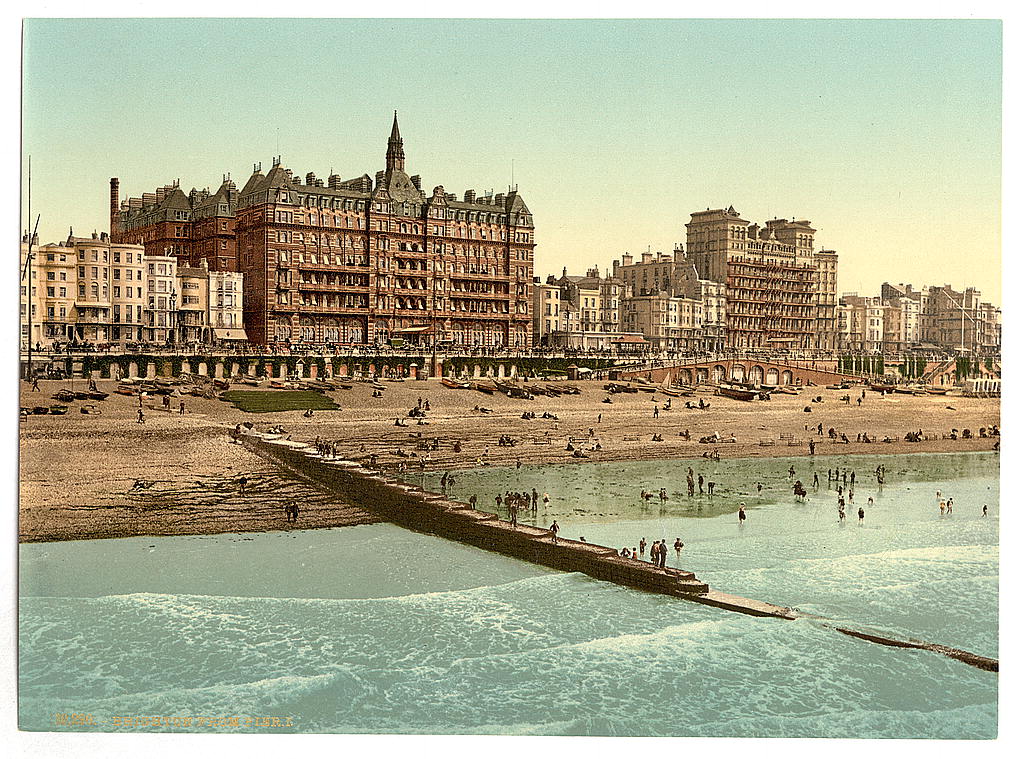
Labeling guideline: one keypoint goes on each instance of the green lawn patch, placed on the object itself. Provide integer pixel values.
(263, 401)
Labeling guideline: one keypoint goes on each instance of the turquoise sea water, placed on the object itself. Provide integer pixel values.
(377, 629)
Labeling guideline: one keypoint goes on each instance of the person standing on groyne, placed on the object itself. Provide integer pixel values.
(554, 531)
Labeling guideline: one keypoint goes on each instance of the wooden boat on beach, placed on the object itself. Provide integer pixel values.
(453, 384)
(483, 388)
(64, 396)
(738, 393)
(58, 410)
(786, 390)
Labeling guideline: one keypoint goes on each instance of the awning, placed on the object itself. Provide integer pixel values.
(230, 333)
(412, 330)
(634, 339)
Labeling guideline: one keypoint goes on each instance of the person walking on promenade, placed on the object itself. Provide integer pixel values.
(533, 496)
(742, 515)
(181, 407)
(711, 488)
(853, 479)
(35, 385)
(810, 444)
(815, 480)
(984, 510)
(792, 471)
(472, 501)
(700, 483)
(860, 515)
(554, 531)
(141, 418)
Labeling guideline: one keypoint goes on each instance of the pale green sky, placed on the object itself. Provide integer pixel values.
(885, 134)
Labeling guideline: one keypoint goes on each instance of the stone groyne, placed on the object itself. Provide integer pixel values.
(420, 510)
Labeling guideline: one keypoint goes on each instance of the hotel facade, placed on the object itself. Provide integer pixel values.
(357, 261)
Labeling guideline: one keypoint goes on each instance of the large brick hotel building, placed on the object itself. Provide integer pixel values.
(356, 261)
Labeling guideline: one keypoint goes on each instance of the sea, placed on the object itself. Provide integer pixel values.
(376, 629)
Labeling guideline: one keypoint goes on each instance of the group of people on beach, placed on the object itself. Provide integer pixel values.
(658, 551)
(514, 502)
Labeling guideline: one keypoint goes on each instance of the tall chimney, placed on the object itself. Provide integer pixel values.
(115, 226)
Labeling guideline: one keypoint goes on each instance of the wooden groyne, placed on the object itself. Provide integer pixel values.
(420, 510)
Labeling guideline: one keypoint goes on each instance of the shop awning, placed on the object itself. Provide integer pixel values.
(413, 330)
(230, 333)
(633, 339)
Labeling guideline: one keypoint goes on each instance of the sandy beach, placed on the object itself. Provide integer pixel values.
(105, 475)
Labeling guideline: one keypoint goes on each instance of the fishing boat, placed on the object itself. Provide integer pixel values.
(786, 390)
(670, 392)
(537, 389)
(221, 384)
(937, 390)
(377, 386)
(81, 395)
(58, 410)
(64, 396)
(488, 389)
(41, 410)
(455, 384)
(570, 390)
(96, 395)
(553, 390)
(126, 390)
(738, 393)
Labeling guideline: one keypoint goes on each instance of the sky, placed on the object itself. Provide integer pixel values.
(886, 135)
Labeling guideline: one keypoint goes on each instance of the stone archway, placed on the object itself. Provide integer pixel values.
(203, 369)
(718, 373)
(702, 375)
(114, 371)
(133, 369)
(771, 377)
(787, 377)
(757, 374)
(738, 373)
